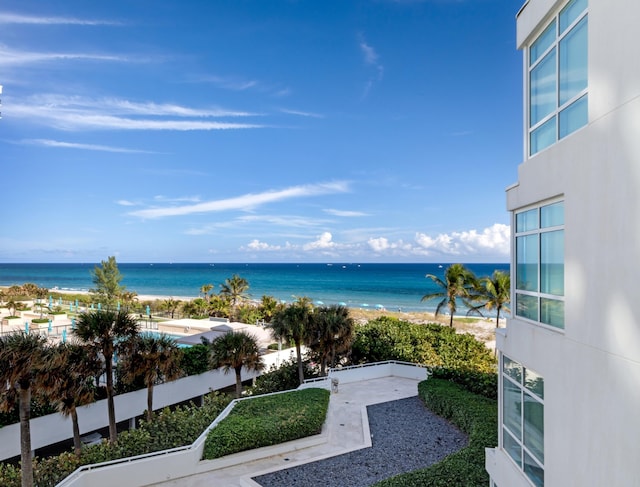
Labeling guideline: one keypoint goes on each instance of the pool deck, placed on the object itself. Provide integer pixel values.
(346, 429)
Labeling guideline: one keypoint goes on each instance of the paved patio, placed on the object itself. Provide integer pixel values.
(346, 429)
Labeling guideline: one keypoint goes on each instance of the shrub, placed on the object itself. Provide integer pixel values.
(195, 359)
(281, 378)
(432, 344)
(481, 383)
(475, 415)
(268, 420)
(168, 429)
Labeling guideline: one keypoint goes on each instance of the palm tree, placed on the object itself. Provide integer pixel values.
(235, 288)
(330, 332)
(204, 290)
(269, 306)
(458, 283)
(234, 350)
(170, 305)
(291, 325)
(71, 372)
(219, 306)
(154, 358)
(495, 292)
(103, 330)
(22, 357)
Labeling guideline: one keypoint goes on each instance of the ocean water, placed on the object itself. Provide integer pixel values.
(392, 286)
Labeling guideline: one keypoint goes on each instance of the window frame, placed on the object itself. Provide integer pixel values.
(519, 292)
(552, 120)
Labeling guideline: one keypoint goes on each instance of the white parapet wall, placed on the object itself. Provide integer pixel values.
(53, 428)
(181, 462)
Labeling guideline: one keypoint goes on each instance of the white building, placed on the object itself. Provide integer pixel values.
(570, 355)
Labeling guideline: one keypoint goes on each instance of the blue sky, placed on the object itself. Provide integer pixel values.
(258, 131)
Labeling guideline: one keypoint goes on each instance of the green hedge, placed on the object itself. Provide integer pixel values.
(432, 344)
(482, 383)
(475, 415)
(283, 378)
(168, 429)
(268, 420)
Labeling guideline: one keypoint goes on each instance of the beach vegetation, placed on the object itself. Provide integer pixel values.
(235, 350)
(195, 359)
(388, 338)
(151, 359)
(268, 420)
(493, 292)
(70, 371)
(170, 305)
(329, 335)
(291, 325)
(219, 306)
(235, 288)
(269, 306)
(282, 378)
(205, 289)
(458, 284)
(106, 278)
(105, 331)
(476, 416)
(22, 359)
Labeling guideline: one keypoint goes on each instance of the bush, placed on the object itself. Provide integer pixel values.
(268, 420)
(281, 378)
(195, 359)
(475, 415)
(432, 344)
(481, 383)
(167, 429)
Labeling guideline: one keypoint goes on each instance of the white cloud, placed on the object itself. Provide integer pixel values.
(494, 240)
(126, 203)
(261, 246)
(12, 57)
(75, 145)
(247, 201)
(301, 113)
(344, 213)
(371, 59)
(11, 18)
(323, 242)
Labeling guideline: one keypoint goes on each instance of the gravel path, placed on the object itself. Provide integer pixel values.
(405, 436)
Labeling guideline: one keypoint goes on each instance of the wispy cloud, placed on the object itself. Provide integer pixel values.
(15, 57)
(233, 83)
(75, 145)
(246, 202)
(301, 113)
(14, 18)
(81, 113)
(371, 59)
(126, 203)
(345, 213)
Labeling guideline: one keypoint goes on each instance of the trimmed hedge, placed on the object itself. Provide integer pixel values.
(283, 378)
(168, 429)
(268, 420)
(475, 415)
(481, 383)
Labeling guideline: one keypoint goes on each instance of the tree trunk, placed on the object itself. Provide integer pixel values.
(451, 320)
(149, 401)
(299, 359)
(77, 444)
(238, 381)
(25, 437)
(113, 432)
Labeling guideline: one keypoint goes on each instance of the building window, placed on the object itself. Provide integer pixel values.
(558, 98)
(539, 264)
(522, 428)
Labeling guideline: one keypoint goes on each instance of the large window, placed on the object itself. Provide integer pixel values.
(539, 264)
(522, 428)
(558, 78)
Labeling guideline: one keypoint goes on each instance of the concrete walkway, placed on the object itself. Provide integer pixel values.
(346, 429)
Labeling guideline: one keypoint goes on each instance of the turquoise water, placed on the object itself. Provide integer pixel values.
(392, 286)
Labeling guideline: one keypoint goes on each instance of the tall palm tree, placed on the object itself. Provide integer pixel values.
(104, 330)
(235, 288)
(22, 357)
(155, 358)
(219, 306)
(204, 290)
(170, 305)
(269, 306)
(234, 350)
(71, 372)
(330, 332)
(494, 293)
(291, 325)
(458, 283)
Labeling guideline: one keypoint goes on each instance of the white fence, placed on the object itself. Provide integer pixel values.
(184, 461)
(53, 428)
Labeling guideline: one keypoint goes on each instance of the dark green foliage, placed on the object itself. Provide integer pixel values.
(477, 417)
(168, 429)
(39, 407)
(268, 420)
(281, 378)
(195, 359)
(432, 344)
(481, 383)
